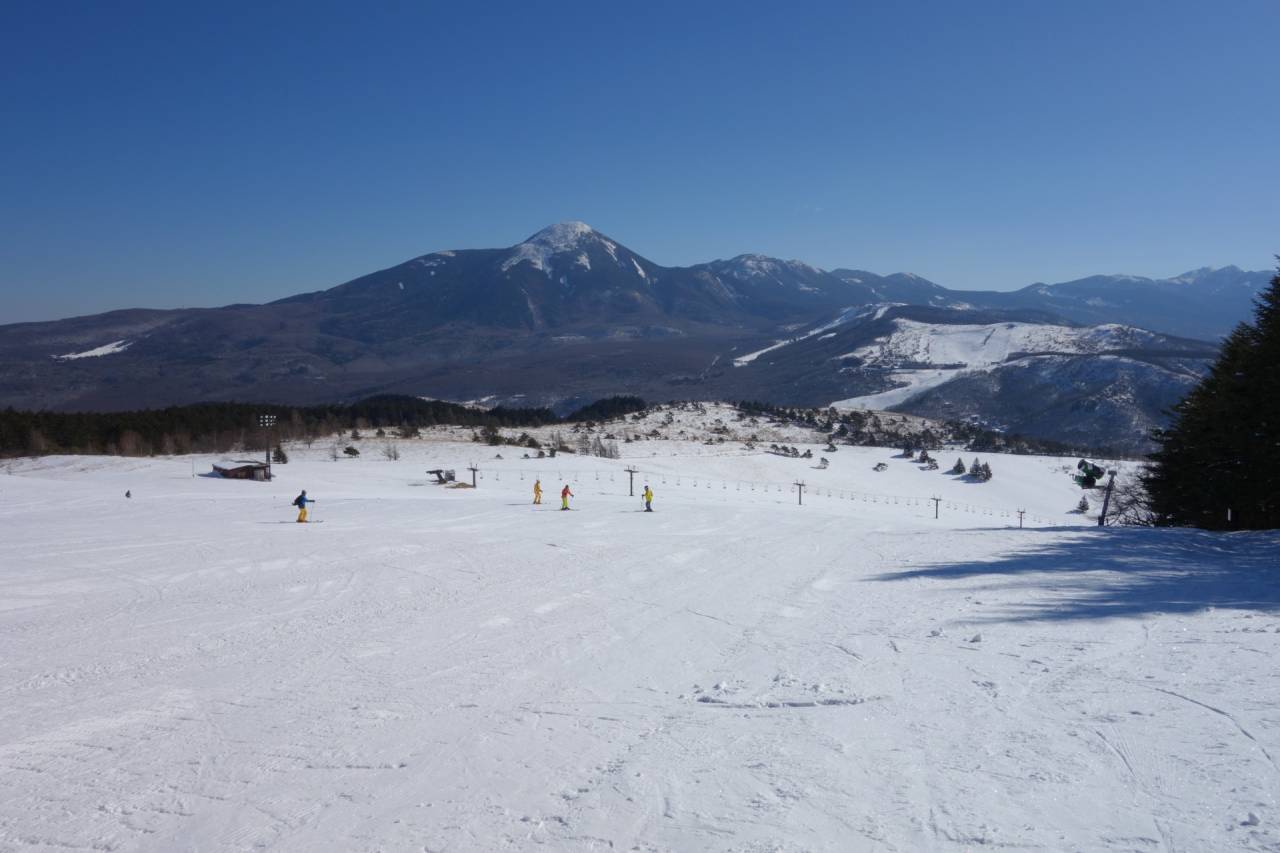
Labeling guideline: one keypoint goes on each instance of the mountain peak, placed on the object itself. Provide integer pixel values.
(755, 264)
(559, 239)
(563, 236)
(1193, 276)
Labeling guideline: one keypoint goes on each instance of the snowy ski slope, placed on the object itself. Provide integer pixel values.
(925, 355)
(456, 669)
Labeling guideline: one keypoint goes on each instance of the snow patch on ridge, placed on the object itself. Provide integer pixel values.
(762, 266)
(97, 352)
(845, 316)
(531, 252)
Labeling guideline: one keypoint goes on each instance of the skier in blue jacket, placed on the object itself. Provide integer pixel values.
(301, 502)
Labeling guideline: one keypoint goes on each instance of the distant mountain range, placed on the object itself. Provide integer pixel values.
(571, 314)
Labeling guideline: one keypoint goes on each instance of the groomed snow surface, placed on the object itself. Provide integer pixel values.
(455, 669)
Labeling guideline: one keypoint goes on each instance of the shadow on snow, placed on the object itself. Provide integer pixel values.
(1118, 572)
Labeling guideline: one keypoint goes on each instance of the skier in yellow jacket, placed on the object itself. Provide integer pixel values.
(537, 491)
(648, 498)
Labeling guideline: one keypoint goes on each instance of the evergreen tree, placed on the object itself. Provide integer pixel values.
(608, 409)
(1222, 451)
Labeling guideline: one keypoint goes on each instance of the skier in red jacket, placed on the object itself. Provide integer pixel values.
(565, 494)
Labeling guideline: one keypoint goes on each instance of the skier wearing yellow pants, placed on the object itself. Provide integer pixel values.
(565, 494)
(301, 502)
(537, 491)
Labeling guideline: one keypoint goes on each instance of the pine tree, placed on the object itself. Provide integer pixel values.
(1222, 451)
(958, 468)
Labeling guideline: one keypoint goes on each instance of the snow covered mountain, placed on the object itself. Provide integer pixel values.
(1013, 371)
(569, 274)
(456, 323)
(563, 274)
(570, 314)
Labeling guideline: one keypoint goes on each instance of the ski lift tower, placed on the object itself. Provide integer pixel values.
(267, 422)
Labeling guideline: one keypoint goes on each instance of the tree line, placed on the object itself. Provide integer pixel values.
(222, 427)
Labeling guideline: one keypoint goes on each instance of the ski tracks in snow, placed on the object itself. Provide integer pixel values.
(439, 672)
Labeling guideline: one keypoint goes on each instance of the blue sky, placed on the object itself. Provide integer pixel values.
(179, 154)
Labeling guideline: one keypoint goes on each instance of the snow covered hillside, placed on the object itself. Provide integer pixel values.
(926, 355)
(995, 343)
(435, 668)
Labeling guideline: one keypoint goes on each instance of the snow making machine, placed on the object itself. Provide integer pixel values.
(1089, 474)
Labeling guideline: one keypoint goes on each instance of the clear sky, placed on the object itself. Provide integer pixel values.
(178, 154)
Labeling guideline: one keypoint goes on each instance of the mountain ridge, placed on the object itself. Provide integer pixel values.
(539, 252)
(567, 315)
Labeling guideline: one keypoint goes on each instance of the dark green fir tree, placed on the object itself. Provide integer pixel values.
(1218, 463)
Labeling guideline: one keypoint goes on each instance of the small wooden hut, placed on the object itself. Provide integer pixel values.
(243, 469)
